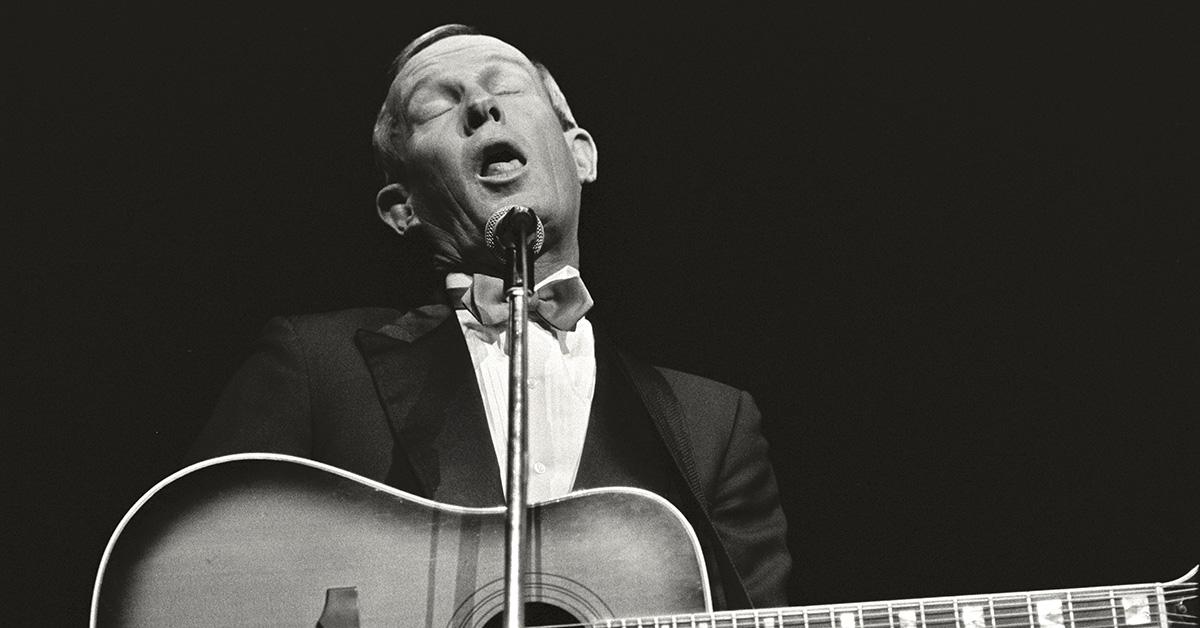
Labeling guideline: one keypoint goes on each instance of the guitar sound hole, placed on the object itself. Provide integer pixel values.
(537, 614)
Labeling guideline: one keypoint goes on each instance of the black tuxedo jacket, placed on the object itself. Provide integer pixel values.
(393, 397)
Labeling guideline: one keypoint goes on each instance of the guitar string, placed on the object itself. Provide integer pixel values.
(765, 618)
(942, 616)
(759, 620)
(780, 620)
(784, 618)
(943, 611)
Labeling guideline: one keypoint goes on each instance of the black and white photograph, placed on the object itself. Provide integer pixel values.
(878, 315)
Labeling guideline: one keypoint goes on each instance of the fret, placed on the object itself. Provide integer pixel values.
(1094, 611)
(941, 614)
(1129, 606)
(874, 616)
(1162, 605)
(817, 619)
(1012, 611)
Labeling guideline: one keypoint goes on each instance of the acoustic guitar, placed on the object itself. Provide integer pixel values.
(273, 540)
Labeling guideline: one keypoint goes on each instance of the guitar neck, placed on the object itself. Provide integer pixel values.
(1158, 605)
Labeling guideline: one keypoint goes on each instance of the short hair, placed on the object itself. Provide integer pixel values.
(388, 120)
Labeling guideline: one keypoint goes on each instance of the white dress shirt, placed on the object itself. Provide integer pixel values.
(562, 382)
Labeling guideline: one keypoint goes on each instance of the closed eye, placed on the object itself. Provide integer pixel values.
(423, 110)
(507, 83)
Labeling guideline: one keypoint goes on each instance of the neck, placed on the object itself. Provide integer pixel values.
(554, 259)
(544, 266)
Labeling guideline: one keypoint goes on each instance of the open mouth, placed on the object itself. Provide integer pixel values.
(500, 159)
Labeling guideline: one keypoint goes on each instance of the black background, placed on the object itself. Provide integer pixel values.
(952, 253)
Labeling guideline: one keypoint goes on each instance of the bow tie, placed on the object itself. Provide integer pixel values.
(560, 300)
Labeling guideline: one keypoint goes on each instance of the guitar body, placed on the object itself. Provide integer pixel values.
(259, 539)
(272, 540)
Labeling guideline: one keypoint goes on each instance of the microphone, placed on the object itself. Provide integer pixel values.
(504, 228)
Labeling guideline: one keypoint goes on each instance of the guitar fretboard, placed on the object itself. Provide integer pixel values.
(1160, 605)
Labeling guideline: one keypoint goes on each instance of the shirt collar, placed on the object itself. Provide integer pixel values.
(463, 280)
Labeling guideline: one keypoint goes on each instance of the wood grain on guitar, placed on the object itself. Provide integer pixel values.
(273, 540)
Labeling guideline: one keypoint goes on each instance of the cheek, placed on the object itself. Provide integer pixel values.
(433, 176)
(559, 157)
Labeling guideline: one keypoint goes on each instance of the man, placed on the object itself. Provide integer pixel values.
(418, 399)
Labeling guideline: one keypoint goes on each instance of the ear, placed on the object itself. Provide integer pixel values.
(584, 150)
(394, 208)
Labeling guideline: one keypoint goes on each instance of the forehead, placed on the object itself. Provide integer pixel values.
(457, 54)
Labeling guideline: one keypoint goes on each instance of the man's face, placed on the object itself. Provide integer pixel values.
(478, 133)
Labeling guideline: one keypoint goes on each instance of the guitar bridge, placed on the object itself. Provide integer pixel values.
(341, 608)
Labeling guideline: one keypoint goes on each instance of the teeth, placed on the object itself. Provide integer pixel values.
(501, 167)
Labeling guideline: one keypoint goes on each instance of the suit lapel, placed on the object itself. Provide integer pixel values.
(426, 384)
(667, 415)
(622, 447)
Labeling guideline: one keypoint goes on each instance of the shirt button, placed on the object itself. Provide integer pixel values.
(539, 467)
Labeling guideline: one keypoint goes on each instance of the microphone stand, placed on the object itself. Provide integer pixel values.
(516, 543)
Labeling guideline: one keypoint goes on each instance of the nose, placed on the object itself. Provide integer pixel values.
(481, 109)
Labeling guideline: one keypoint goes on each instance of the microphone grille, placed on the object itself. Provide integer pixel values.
(491, 230)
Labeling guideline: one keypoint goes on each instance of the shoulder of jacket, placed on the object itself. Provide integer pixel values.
(353, 319)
